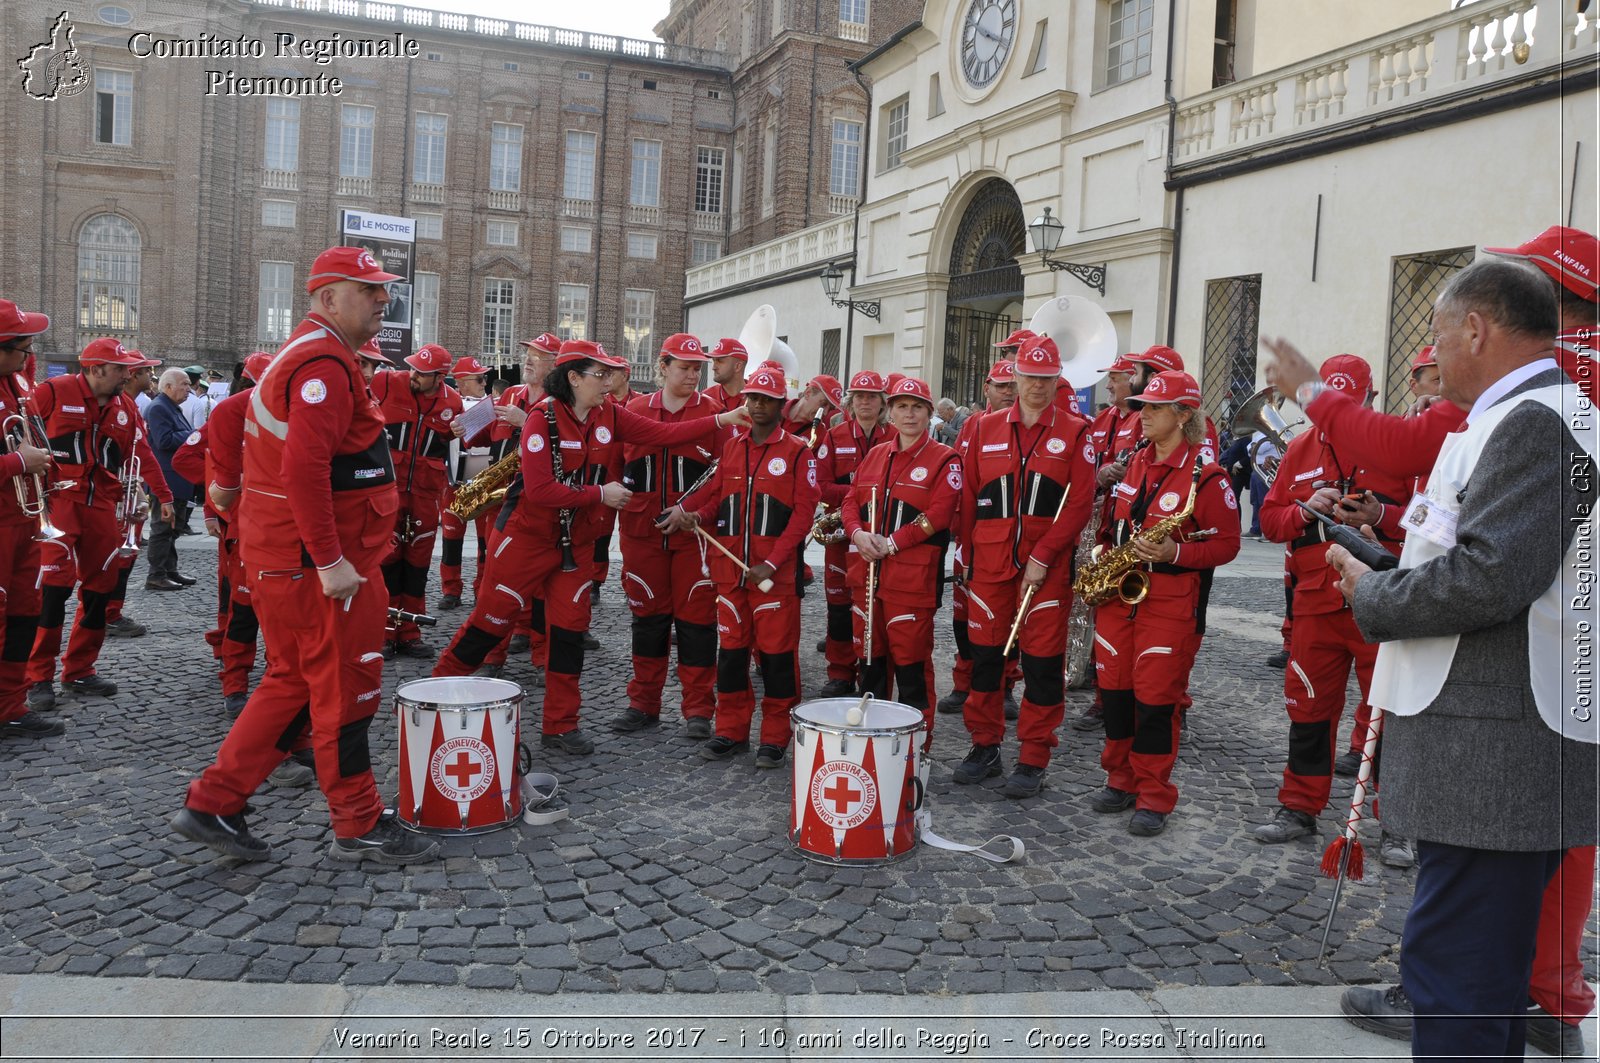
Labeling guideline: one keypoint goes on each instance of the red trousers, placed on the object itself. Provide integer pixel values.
(86, 552)
(405, 570)
(667, 588)
(453, 533)
(1142, 657)
(838, 646)
(768, 625)
(19, 583)
(319, 654)
(237, 625)
(124, 565)
(1325, 645)
(602, 553)
(1042, 638)
(902, 657)
(1557, 984)
(961, 671)
(524, 568)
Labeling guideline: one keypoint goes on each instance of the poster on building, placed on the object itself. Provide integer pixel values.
(391, 241)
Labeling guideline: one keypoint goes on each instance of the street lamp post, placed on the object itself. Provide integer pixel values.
(832, 279)
(1046, 232)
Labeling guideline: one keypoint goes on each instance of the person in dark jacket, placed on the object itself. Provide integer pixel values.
(168, 429)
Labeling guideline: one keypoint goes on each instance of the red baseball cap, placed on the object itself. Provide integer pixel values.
(467, 365)
(1423, 359)
(373, 353)
(1003, 372)
(909, 387)
(1038, 357)
(255, 364)
(1174, 386)
(1570, 257)
(730, 348)
(1349, 374)
(684, 347)
(430, 358)
(1018, 338)
(831, 388)
(545, 342)
(867, 380)
(347, 264)
(144, 362)
(1120, 364)
(16, 322)
(765, 382)
(108, 351)
(891, 380)
(1165, 359)
(579, 350)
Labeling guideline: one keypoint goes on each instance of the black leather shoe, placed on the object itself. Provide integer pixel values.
(125, 627)
(1348, 764)
(954, 701)
(982, 762)
(1012, 709)
(1112, 799)
(632, 719)
(233, 704)
(42, 696)
(837, 688)
(1281, 660)
(449, 602)
(769, 757)
(1552, 1036)
(228, 835)
(1286, 826)
(1026, 781)
(721, 747)
(1147, 824)
(518, 644)
(415, 648)
(187, 581)
(162, 585)
(1092, 719)
(574, 741)
(99, 686)
(1385, 1012)
(590, 643)
(31, 725)
(697, 727)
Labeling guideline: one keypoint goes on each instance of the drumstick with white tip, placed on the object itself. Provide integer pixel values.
(765, 586)
(857, 713)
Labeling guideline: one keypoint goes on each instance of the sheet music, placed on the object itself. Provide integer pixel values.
(479, 417)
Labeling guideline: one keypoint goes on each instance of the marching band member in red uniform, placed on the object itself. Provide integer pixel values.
(761, 498)
(838, 454)
(420, 411)
(316, 519)
(808, 417)
(118, 625)
(1571, 259)
(898, 516)
(19, 532)
(999, 393)
(1326, 640)
(662, 573)
(622, 394)
(728, 359)
(1144, 652)
(1027, 483)
(89, 418)
(468, 458)
(570, 445)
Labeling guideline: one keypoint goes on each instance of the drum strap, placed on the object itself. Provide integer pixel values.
(539, 803)
(991, 850)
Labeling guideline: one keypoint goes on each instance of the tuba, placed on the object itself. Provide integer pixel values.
(1260, 414)
(760, 337)
(33, 490)
(1083, 333)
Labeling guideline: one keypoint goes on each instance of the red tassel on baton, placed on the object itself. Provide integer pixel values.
(1344, 858)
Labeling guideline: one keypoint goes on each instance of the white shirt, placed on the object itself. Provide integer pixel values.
(196, 408)
(1506, 384)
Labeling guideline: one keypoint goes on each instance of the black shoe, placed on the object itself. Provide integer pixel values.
(492, 671)
(31, 725)
(518, 644)
(449, 602)
(837, 688)
(697, 727)
(162, 585)
(590, 643)
(42, 696)
(187, 581)
(722, 747)
(1147, 824)
(228, 835)
(594, 594)
(769, 757)
(389, 651)
(415, 648)
(1092, 719)
(1348, 764)
(1286, 826)
(1012, 709)
(234, 704)
(99, 686)
(1112, 799)
(954, 701)
(574, 741)
(386, 843)
(1385, 1012)
(125, 627)
(1026, 781)
(822, 645)
(1552, 1036)
(1281, 660)
(290, 772)
(632, 719)
(982, 762)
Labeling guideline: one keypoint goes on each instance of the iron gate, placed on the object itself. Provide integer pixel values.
(969, 339)
(1233, 315)
(1415, 283)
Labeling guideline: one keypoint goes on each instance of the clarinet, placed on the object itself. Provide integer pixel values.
(568, 562)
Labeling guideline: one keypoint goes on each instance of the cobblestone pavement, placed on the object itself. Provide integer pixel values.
(674, 873)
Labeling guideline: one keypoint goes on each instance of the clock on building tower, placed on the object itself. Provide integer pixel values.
(988, 31)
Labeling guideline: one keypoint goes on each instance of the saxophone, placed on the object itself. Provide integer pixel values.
(1116, 573)
(488, 488)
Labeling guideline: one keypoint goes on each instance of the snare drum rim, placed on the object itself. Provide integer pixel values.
(403, 702)
(800, 720)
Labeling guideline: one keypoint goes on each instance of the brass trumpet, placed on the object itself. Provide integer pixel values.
(33, 490)
(129, 506)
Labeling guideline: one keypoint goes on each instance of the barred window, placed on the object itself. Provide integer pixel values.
(355, 140)
(572, 311)
(1233, 314)
(646, 190)
(275, 319)
(578, 179)
(844, 173)
(108, 274)
(499, 305)
(427, 164)
(708, 172)
(1415, 282)
(505, 158)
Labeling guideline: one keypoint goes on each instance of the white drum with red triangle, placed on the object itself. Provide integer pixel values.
(856, 788)
(458, 754)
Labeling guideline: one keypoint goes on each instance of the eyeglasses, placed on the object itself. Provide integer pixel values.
(598, 374)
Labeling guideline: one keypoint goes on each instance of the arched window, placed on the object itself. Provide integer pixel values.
(108, 275)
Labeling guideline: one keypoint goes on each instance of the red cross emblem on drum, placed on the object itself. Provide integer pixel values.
(462, 769)
(843, 794)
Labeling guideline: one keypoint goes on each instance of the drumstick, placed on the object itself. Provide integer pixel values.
(765, 586)
(858, 712)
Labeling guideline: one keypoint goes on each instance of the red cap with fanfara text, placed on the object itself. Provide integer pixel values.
(1038, 357)
(108, 351)
(467, 365)
(1570, 257)
(430, 358)
(347, 264)
(255, 364)
(1003, 372)
(1348, 374)
(545, 343)
(867, 380)
(1177, 387)
(831, 388)
(765, 382)
(684, 347)
(1160, 357)
(909, 387)
(1119, 365)
(730, 348)
(578, 350)
(1018, 338)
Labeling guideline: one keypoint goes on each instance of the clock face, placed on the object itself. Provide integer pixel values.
(987, 33)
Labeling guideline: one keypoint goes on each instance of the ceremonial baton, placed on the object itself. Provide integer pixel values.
(872, 582)
(765, 586)
(1343, 856)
